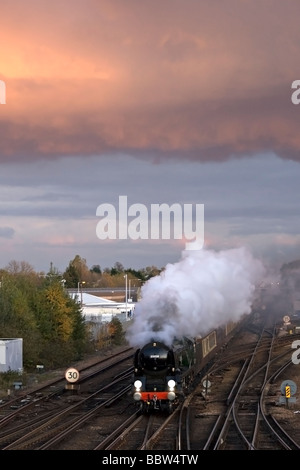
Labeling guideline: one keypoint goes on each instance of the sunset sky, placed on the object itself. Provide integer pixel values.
(185, 102)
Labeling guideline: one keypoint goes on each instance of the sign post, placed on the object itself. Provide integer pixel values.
(288, 389)
(72, 376)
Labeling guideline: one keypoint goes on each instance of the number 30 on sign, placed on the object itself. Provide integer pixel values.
(72, 375)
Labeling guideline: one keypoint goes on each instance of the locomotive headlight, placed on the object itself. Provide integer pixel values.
(138, 385)
(171, 384)
(171, 396)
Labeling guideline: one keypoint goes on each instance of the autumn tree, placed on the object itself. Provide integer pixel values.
(115, 330)
(61, 323)
(77, 271)
(17, 318)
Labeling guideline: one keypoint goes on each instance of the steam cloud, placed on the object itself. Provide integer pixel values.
(204, 290)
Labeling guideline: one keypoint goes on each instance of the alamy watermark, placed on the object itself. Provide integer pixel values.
(296, 94)
(162, 222)
(296, 354)
(2, 92)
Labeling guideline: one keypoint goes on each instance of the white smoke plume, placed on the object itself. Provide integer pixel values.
(204, 290)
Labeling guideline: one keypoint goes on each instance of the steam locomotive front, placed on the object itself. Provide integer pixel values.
(154, 376)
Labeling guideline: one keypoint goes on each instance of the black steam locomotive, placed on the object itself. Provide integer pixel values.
(163, 374)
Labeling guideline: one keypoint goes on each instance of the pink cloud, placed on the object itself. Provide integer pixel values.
(196, 80)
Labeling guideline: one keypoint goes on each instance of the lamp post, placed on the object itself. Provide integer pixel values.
(126, 292)
(80, 285)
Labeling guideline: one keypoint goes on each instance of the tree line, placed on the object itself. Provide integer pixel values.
(77, 271)
(36, 306)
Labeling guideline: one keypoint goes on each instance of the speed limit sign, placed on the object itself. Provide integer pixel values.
(72, 375)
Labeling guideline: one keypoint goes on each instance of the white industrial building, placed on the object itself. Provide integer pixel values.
(11, 354)
(100, 310)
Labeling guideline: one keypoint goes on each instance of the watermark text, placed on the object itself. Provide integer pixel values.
(296, 94)
(296, 354)
(2, 92)
(162, 222)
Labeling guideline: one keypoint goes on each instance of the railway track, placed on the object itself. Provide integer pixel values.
(239, 410)
(245, 423)
(53, 415)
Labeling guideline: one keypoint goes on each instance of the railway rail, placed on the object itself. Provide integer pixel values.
(239, 410)
(51, 413)
(245, 423)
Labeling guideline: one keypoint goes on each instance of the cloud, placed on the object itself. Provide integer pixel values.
(51, 206)
(179, 81)
(112, 97)
(6, 232)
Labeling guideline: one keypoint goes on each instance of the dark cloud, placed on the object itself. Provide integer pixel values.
(6, 232)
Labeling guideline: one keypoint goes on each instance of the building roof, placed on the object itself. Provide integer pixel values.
(90, 300)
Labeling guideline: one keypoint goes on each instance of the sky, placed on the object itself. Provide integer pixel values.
(170, 102)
